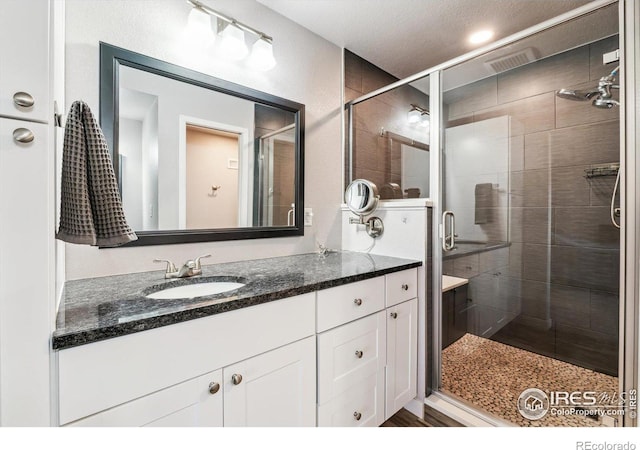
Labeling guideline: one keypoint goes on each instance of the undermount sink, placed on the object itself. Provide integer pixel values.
(196, 290)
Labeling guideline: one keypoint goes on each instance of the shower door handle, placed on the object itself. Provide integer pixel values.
(448, 233)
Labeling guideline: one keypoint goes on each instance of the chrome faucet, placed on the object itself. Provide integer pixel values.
(189, 269)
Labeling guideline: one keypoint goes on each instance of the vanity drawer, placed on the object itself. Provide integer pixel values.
(360, 406)
(401, 286)
(343, 304)
(349, 354)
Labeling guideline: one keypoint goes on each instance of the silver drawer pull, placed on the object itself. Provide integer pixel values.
(359, 353)
(405, 287)
(357, 415)
(358, 301)
(394, 315)
(236, 378)
(23, 99)
(23, 135)
(214, 387)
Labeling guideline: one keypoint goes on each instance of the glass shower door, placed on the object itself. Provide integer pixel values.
(530, 301)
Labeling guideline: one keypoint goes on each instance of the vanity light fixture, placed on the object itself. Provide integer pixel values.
(199, 25)
(232, 44)
(261, 57)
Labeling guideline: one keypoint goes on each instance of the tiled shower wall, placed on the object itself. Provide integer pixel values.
(563, 260)
(375, 156)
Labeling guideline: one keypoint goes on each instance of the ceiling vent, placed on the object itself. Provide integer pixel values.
(511, 61)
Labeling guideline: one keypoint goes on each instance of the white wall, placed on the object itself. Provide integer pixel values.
(131, 168)
(308, 72)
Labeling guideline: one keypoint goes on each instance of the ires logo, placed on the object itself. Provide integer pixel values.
(563, 398)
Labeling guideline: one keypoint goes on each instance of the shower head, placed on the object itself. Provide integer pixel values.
(576, 95)
(601, 95)
(605, 103)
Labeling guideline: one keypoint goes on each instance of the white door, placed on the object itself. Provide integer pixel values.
(402, 355)
(277, 388)
(24, 61)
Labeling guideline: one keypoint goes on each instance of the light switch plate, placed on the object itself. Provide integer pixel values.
(308, 217)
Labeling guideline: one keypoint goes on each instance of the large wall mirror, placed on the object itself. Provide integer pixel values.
(199, 158)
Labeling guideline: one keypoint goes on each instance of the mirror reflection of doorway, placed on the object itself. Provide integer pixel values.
(211, 178)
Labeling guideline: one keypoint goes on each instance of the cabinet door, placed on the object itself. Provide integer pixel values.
(193, 403)
(402, 356)
(24, 60)
(26, 237)
(277, 388)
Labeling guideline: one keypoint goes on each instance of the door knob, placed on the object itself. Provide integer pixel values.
(214, 387)
(236, 378)
(23, 99)
(23, 135)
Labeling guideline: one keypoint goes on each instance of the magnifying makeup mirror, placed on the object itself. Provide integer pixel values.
(361, 197)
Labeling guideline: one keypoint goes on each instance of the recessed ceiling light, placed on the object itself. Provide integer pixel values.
(480, 37)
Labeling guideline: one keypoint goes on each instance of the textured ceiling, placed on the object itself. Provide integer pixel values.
(407, 36)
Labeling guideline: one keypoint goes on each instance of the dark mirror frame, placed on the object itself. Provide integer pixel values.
(112, 57)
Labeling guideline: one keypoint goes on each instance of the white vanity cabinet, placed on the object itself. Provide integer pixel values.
(163, 376)
(367, 365)
(343, 356)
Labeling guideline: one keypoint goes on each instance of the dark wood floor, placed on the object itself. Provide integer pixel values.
(432, 418)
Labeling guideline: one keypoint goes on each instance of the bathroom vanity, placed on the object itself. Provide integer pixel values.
(326, 340)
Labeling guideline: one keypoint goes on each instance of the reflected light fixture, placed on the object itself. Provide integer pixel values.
(232, 43)
(480, 37)
(425, 120)
(414, 115)
(418, 115)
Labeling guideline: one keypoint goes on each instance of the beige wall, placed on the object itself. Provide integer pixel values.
(308, 71)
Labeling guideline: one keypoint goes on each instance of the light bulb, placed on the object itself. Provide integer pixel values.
(425, 120)
(413, 116)
(199, 26)
(261, 57)
(232, 45)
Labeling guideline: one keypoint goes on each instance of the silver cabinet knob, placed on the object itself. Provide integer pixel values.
(23, 135)
(359, 353)
(214, 387)
(236, 378)
(358, 301)
(357, 415)
(394, 315)
(405, 287)
(23, 99)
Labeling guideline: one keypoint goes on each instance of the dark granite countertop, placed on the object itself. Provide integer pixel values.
(95, 309)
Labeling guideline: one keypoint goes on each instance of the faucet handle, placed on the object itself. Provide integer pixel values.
(170, 266)
(197, 260)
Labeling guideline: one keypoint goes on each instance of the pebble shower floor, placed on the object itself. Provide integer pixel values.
(491, 376)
